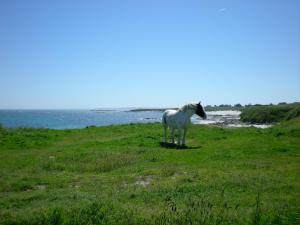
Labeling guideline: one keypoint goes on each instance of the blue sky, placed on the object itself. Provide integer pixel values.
(92, 54)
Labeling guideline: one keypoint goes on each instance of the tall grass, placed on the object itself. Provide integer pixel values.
(195, 210)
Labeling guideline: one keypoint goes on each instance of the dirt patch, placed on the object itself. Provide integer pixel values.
(75, 185)
(144, 181)
(41, 187)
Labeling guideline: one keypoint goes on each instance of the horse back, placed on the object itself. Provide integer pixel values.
(175, 119)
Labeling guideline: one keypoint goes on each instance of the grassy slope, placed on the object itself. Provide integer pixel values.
(122, 175)
(270, 113)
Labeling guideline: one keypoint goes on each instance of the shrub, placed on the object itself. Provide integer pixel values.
(270, 113)
(293, 113)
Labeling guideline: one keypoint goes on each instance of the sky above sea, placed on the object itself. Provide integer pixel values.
(107, 54)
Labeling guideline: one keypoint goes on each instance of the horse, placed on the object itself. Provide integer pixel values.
(181, 119)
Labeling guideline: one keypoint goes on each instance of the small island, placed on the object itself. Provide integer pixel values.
(150, 109)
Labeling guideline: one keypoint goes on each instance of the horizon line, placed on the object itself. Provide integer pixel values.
(143, 107)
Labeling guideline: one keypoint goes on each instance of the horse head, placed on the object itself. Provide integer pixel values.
(200, 111)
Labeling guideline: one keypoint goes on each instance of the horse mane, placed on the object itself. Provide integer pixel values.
(187, 107)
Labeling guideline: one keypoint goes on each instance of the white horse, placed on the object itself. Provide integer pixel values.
(181, 119)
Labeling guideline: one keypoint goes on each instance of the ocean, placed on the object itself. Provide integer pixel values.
(69, 119)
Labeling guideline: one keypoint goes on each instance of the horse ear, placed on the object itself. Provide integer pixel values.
(199, 103)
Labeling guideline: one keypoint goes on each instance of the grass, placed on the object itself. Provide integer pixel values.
(123, 175)
(270, 113)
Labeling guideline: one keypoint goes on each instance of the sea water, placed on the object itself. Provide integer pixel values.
(67, 119)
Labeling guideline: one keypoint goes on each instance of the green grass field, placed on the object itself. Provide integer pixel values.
(123, 175)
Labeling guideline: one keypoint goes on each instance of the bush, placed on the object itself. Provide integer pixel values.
(293, 113)
(270, 113)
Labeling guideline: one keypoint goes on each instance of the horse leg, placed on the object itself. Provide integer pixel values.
(184, 136)
(173, 136)
(178, 140)
(166, 134)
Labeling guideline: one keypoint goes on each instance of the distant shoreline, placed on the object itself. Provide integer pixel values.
(207, 108)
(102, 110)
(150, 109)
